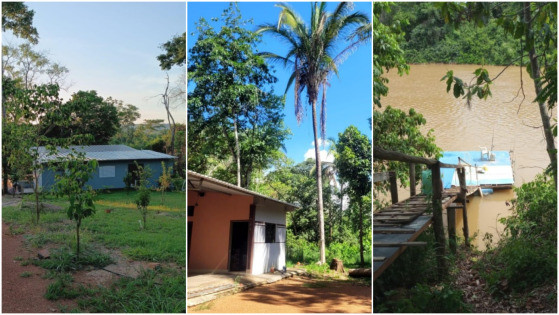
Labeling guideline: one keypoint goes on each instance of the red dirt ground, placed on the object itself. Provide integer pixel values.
(293, 295)
(23, 295)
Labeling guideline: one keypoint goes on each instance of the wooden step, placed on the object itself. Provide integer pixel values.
(398, 244)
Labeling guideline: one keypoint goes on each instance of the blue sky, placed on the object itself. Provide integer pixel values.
(112, 48)
(349, 98)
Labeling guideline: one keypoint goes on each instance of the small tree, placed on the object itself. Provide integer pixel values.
(164, 180)
(71, 183)
(128, 181)
(144, 197)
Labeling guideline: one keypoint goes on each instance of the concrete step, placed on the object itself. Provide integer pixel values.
(243, 283)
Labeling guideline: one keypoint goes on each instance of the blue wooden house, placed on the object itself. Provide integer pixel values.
(115, 161)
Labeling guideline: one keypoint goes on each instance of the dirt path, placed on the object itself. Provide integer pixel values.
(294, 295)
(23, 295)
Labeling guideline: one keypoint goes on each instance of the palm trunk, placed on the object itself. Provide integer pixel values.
(319, 187)
(237, 152)
(535, 72)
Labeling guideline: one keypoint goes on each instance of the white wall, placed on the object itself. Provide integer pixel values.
(265, 255)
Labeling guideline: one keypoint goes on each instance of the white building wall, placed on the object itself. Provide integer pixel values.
(268, 255)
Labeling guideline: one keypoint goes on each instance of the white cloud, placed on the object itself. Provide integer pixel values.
(320, 143)
(324, 155)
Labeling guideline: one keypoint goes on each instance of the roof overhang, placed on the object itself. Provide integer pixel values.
(203, 183)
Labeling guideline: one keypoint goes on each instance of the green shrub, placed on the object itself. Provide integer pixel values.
(301, 250)
(424, 299)
(526, 256)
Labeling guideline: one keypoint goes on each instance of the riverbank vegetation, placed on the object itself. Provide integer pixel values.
(519, 273)
(428, 38)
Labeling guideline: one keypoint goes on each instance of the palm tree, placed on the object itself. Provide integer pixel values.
(313, 57)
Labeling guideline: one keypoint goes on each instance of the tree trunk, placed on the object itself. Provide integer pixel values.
(237, 152)
(36, 192)
(535, 73)
(171, 120)
(78, 224)
(319, 187)
(360, 204)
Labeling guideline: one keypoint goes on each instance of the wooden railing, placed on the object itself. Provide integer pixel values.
(437, 188)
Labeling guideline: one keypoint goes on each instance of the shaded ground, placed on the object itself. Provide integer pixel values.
(23, 295)
(295, 295)
(476, 293)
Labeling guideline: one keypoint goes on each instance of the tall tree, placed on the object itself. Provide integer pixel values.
(353, 161)
(127, 116)
(89, 114)
(232, 111)
(17, 18)
(175, 53)
(313, 59)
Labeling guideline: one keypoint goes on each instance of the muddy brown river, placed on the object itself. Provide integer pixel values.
(503, 121)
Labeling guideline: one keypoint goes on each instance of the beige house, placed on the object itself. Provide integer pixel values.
(233, 229)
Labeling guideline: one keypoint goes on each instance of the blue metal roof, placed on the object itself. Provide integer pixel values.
(483, 172)
(104, 153)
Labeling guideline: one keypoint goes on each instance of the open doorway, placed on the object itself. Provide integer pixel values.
(239, 246)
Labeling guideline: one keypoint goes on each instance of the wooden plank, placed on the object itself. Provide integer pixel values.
(397, 244)
(380, 177)
(455, 206)
(400, 250)
(445, 165)
(394, 231)
(382, 154)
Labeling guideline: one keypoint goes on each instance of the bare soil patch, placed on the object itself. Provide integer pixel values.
(295, 295)
(19, 294)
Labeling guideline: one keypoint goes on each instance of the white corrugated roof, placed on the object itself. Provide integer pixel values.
(104, 153)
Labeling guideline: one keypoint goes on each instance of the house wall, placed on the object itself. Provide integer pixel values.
(47, 176)
(267, 255)
(211, 223)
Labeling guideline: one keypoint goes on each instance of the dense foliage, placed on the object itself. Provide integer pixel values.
(397, 130)
(526, 256)
(429, 39)
(346, 205)
(235, 121)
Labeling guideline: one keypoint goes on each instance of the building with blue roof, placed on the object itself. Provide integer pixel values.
(115, 161)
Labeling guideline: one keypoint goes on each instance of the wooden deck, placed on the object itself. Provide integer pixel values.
(399, 225)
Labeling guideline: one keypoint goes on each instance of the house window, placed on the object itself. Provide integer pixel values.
(190, 211)
(106, 171)
(270, 233)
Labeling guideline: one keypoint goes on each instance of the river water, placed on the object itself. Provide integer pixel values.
(503, 121)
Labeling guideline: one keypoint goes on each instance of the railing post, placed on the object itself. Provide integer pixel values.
(463, 196)
(393, 187)
(451, 223)
(412, 180)
(438, 218)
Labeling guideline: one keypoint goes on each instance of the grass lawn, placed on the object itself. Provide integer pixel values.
(163, 240)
